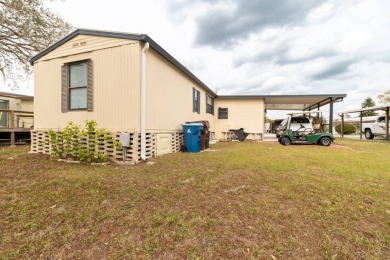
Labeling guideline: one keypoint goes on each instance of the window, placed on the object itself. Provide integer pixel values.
(77, 86)
(382, 119)
(222, 113)
(209, 104)
(4, 104)
(196, 101)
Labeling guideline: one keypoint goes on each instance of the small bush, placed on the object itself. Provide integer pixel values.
(80, 144)
(348, 129)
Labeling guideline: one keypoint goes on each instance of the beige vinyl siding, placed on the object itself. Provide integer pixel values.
(85, 43)
(115, 91)
(242, 113)
(27, 105)
(169, 96)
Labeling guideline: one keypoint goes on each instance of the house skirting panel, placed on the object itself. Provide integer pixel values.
(40, 143)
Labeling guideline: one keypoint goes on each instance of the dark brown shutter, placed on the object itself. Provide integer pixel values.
(198, 108)
(206, 102)
(193, 100)
(212, 106)
(64, 88)
(90, 85)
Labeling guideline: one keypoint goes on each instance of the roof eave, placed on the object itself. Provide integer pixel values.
(17, 96)
(170, 58)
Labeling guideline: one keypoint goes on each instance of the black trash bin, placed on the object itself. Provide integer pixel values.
(205, 135)
(208, 139)
(240, 134)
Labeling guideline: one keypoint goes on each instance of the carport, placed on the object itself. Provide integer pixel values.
(385, 108)
(304, 103)
(242, 111)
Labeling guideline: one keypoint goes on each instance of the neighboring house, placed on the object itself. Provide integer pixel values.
(16, 102)
(128, 83)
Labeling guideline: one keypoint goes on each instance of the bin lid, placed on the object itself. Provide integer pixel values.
(193, 124)
(204, 122)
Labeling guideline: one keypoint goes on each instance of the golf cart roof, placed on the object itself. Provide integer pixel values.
(305, 112)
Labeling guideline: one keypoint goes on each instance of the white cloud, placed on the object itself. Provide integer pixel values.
(320, 14)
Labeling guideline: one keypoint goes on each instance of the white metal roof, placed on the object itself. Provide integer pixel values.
(291, 102)
(383, 107)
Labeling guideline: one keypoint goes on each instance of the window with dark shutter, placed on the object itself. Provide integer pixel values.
(196, 101)
(209, 104)
(222, 113)
(77, 86)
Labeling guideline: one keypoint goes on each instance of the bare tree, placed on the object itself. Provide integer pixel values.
(26, 27)
(384, 98)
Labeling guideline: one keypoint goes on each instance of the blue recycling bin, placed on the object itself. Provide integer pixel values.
(192, 134)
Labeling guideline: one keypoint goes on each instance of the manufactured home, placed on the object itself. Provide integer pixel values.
(129, 83)
(16, 117)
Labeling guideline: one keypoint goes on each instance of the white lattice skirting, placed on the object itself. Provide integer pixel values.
(40, 144)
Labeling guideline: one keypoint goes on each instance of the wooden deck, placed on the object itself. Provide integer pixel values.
(16, 122)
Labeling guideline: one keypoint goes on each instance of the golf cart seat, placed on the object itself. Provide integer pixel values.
(302, 131)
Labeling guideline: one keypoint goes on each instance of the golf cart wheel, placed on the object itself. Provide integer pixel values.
(285, 141)
(325, 141)
(368, 134)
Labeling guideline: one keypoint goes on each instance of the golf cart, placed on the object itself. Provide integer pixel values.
(297, 122)
(304, 134)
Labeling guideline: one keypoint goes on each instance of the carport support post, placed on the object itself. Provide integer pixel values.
(342, 125)
(331, 116)
(318, 118)
(361, 124)
(387, 123)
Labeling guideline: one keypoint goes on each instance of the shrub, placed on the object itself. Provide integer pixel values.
(348, 129)
(80, 144)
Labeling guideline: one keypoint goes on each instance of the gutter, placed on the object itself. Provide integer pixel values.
(143, 101)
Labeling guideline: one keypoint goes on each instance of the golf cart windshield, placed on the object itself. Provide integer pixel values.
(300, 120)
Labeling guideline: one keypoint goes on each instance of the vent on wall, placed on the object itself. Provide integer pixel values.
(163, 144)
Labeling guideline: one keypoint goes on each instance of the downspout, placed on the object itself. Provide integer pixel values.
(143, 101)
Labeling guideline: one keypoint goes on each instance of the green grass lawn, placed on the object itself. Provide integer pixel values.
(249, 200)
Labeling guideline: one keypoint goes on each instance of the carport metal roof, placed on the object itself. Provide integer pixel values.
(385, 108)
(292, 102)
